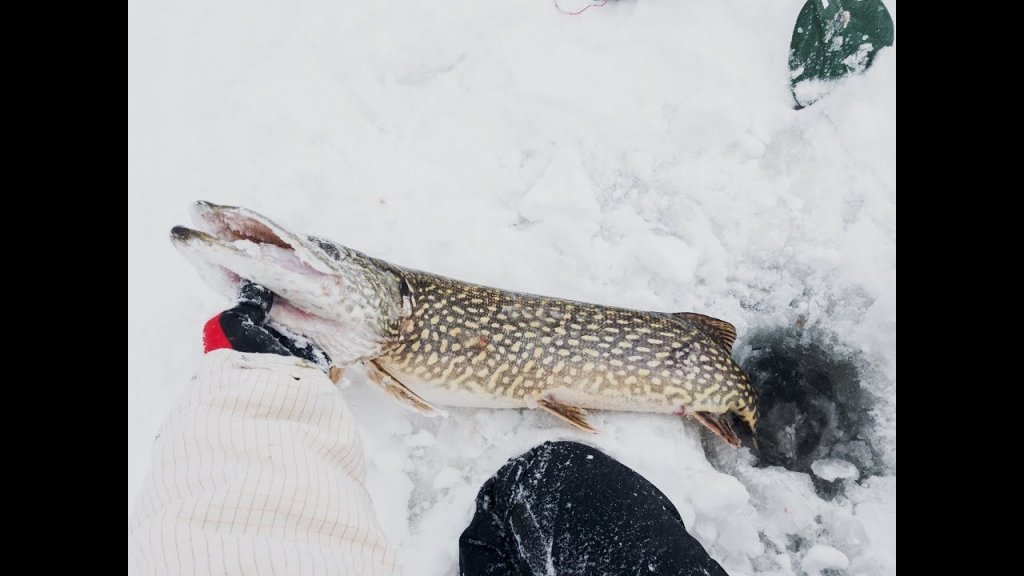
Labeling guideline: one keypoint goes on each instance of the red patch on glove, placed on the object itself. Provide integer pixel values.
(213, 335)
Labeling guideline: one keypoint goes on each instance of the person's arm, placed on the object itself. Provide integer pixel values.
(259, 470)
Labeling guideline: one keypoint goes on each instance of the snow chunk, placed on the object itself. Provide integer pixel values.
(821, 557)
(832, 469)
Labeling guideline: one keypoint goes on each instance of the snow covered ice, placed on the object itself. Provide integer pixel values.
(643, 154)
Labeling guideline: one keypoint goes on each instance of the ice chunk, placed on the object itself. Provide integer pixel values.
(832, 469)
(821, 557)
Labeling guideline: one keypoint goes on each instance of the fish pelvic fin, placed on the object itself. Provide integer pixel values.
(399, 391)
(572, 415)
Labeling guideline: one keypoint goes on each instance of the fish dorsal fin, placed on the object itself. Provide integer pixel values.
(723, 332)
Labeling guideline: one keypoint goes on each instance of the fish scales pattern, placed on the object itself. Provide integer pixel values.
(471, 338)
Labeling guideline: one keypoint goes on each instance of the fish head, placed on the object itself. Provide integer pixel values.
(349, 304)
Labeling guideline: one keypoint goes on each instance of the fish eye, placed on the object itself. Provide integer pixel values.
(330, 248)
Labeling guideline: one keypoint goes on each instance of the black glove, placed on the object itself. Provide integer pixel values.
(244, 328)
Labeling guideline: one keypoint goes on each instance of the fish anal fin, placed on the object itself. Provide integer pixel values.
(719, 424)
(723, 332)
(572, 415)
(397, 390)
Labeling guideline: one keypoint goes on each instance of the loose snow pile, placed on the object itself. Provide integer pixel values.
(643, 154)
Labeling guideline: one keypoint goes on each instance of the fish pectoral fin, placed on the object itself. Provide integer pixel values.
(397, 390)
(723, 332)
(335, 374)
(719, 424)
(573, 415)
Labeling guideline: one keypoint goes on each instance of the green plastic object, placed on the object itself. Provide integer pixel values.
(833, 39)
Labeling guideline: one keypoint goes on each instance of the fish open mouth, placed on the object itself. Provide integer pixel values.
(245, 228)
(230, 243)
(232, 224)
(254, 243)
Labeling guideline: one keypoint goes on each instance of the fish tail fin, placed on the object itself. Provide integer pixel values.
(748, 415)
(719, 424)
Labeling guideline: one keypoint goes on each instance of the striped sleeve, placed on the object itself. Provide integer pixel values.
(259, 470)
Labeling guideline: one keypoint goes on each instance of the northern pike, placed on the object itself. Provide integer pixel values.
(426, 339)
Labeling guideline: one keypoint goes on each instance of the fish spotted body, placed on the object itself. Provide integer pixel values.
(430, 339)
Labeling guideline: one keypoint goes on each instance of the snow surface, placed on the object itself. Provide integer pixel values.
(643, 154)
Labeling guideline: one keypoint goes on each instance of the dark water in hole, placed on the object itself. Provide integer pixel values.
(811, 405)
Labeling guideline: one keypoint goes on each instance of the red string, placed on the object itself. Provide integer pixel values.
(582, 10)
